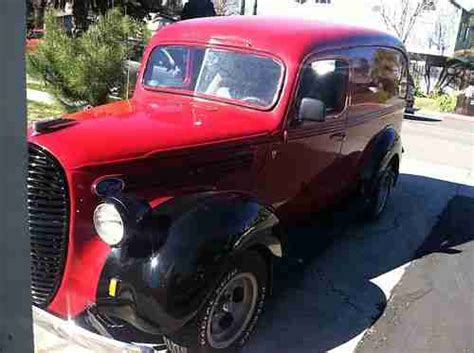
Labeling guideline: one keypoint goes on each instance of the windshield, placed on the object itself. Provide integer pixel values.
(213, 72)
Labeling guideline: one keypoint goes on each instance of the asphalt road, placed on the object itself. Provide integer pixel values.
(449, 142)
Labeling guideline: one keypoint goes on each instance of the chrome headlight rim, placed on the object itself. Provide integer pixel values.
(113, 240)
(133, 214)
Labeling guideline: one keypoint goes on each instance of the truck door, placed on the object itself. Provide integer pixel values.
(378, 85)
(302, 172)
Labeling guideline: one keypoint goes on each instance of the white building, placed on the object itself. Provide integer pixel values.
(435, 31)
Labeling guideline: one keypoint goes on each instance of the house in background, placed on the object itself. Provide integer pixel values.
(465, 40)
(441, 28)
(435, 32)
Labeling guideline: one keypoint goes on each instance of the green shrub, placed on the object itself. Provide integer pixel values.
(417, 92)
(446, 103)
(86, 69)
(426, 103)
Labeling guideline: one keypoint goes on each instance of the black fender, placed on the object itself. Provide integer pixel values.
(165, 275)
(384, 148)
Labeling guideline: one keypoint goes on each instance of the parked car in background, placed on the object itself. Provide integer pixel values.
(33, 39)
(162, 215)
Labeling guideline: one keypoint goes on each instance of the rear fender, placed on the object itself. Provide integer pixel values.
(381, 150)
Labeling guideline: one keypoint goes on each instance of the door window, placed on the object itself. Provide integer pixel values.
(325, 80)
(380, 76)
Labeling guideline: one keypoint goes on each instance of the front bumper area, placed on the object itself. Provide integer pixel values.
(55, 335)
(156, 292)
(114, 328)
(135, 308)
(124, 313)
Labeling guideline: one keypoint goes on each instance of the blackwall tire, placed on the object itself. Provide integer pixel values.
(230, 316)
(377, 201)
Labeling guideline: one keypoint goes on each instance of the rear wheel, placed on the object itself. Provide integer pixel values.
(377, 200)
(231, 314)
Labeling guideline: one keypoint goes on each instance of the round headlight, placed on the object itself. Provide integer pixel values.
(109, 224)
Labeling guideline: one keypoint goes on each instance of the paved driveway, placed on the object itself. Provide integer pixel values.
(432, 310)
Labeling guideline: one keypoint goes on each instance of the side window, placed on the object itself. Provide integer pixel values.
(379, 77)
(166, 67)
(325, 80)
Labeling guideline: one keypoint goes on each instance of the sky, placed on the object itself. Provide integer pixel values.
(469, 4)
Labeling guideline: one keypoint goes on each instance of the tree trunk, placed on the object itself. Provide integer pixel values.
(38, 17)
(100, 6)
(242, 7)
(38, 13)
(80, 9)
(255, 7)
(428, 77)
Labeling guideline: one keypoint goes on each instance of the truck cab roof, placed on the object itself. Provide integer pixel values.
(288, 38)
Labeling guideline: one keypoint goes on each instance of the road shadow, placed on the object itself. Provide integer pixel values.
(323, 294)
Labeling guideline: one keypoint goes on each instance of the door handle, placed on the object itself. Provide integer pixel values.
(274, 153)
(340, 136)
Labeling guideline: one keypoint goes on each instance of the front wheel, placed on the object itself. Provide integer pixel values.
(232, 311)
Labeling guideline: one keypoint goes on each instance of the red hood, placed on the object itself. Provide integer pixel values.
(134, 129)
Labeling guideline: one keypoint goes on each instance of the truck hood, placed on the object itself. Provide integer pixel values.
(133, 129)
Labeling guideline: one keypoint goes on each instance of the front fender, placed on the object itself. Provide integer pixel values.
(166, 274)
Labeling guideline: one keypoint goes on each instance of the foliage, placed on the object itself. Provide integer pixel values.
(41, 110)
(446, 103)
(137, 9)
(439, 103)
(90, 67)
(425, 103)
(37, 86)
(455, 74)
(418, 92)
(234, 7)
(223, 7)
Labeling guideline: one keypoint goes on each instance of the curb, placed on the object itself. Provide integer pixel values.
(423, 117)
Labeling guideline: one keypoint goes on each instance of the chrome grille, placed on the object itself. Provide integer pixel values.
(48, 221)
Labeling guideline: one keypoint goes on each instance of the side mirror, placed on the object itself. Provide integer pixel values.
(312, 109)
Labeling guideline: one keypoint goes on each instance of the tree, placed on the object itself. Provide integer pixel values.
(230, 7)
(137, 9)
(38, 7)
(455, 74)
(242, 7)
(401, 16)
(88, 68)
(222, 7)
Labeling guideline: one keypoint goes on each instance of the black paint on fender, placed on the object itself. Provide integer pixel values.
(165, 275)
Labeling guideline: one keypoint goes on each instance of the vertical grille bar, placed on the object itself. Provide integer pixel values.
(48, 223)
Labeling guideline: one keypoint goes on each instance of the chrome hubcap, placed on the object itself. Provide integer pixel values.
(232, 310)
